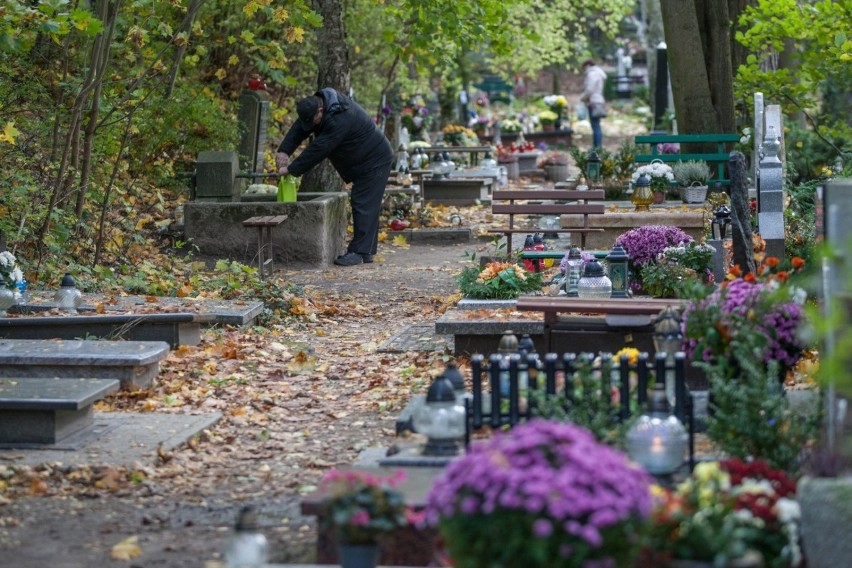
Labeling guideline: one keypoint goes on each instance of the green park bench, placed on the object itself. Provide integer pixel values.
(717, 160)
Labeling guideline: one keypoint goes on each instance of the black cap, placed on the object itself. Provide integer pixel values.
(307, 110)
(67, 280)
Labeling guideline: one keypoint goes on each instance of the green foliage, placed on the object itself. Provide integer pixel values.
(820, 53)
(751, 416)
(591, 406)
(668, 280)
(691, 171)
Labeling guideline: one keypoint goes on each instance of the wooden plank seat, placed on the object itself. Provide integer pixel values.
(552, 306)
(264, 224)
(547, 202)
(717, 160)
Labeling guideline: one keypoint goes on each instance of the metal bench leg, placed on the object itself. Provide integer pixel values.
(260, 251)
(270, 252)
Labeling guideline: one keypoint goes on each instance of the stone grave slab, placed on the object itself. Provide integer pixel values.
(229, 312)
(466, 191)
(119, 438)
(175, 328)
(418, 337)
(475, 332)
(436, 236)
(135, 364)
(47, 410)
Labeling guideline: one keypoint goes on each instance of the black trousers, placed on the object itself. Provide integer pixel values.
(366, 195)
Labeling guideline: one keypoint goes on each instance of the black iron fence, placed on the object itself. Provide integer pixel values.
(507, 388)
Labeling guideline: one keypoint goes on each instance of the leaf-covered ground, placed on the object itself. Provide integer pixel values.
(296, 400)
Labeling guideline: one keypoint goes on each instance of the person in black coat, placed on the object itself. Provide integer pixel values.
(345, 134)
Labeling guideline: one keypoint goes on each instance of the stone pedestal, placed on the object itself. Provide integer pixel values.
(313, 234)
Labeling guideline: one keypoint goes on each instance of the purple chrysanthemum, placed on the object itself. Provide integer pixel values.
(644, 243)
(742, 301)
(556, 472)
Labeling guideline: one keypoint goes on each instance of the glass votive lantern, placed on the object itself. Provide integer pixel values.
(594, 284)
(68, 297)
(573, 271)
(441, 419)
(658, 440)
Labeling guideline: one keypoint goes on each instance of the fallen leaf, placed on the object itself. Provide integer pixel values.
(126, 549)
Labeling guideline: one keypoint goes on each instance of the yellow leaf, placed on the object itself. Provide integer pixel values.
(383, 236)
(233, 60)
(9, 133)
(400, 241)
(295, 34)
(221, 74)
(280, 15)
(126, 549)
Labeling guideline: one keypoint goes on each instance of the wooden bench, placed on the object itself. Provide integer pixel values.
(717, 160)
(264, 225)
(546, 202)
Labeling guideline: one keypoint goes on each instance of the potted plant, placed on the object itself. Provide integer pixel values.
(542, 494)
(547, 119)
(555, 163)
(362, 507)
(692, 177)
(643, 245)
(661, 178)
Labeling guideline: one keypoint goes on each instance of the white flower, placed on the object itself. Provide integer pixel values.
(16, 275)
(798, 295)
(788, 510)
(7, 258)
(654, 170)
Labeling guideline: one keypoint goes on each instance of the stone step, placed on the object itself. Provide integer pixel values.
(229, 312)
(47, 410)
(174, 328)
(134, 364)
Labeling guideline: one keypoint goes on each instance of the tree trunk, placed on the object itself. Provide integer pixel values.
(700, 67)
(654, 36)
(333, 71)
(107, 14)
(186, 27)
(716, 44)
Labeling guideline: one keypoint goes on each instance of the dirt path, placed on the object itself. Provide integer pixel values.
(297, 400)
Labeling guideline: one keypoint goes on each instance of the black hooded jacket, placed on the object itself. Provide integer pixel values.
(346, 136)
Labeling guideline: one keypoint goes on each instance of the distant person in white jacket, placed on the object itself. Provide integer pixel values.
(593, 97)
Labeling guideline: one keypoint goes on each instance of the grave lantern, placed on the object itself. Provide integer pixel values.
(451, 165)
(593, 167)
(68, 297)
(440, 168)
(721, 222)
(454, 375)
(594, 284)
(658, 440)
(618, 273)
(402, 158)
(668, 337)
(441, 419)
(573, 271)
